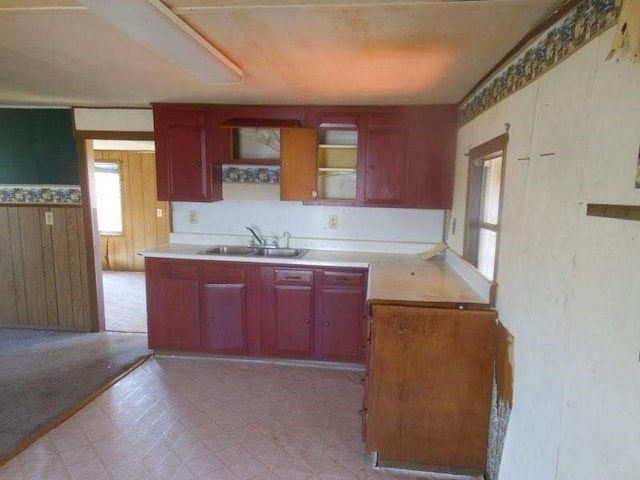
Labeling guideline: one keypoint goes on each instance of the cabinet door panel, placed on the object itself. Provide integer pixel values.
(293, 320)
(224, 318)
(342, 324)
(187, 161)
(183, 149)
(430, 386)
(385, 169)
(173, 306)
(298, 164)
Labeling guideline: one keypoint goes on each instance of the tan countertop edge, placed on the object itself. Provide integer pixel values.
(432, 283)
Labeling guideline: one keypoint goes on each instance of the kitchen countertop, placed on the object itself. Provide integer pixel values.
(394, 278)
(322, 258)
(414, 282)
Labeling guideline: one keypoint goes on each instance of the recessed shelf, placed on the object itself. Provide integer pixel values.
(326, 145)
(337, 169)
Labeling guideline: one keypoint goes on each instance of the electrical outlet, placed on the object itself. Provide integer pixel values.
(159, 212)
(333, 221)
(48, 218)
(193, 216)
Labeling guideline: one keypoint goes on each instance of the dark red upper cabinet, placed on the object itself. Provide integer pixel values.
(183, 168)
(385, 169)
(431, 149)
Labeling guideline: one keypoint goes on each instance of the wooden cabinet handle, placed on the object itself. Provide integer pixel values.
(292, 277)
(314, 194)
(212, 318)
(327, 324)
(307, 321)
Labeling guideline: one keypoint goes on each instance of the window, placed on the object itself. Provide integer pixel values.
(109, 198)
(484, 201)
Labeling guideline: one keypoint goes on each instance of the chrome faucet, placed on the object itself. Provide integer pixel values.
(261, 241)
(287, 235)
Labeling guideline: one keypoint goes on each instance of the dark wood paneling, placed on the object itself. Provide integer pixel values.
(8, 299)
(44, 281)
(142, 228)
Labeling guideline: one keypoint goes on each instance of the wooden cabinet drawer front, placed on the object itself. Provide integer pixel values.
(222, 275)
(178, 272)
(293, 277)
(343, 279)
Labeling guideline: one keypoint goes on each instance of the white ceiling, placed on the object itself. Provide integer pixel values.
(55, 52)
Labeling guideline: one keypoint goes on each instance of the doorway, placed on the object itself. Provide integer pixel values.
(130, 219)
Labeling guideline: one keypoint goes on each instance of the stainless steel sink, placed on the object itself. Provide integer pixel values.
(229, 250)
(281, 252)
(254, 251)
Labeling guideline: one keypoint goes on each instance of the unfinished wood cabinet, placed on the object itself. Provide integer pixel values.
(429, 387)
(298, 164)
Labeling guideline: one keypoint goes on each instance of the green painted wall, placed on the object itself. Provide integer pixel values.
(37, 147)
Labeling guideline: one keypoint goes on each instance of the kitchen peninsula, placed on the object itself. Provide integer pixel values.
(424, 332)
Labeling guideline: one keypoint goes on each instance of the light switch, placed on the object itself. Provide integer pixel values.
(159, 212)
(333, 221)
(193, 216)
(48, 218)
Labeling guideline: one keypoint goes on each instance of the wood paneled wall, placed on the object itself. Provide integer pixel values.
(142, 226)
(43, 270)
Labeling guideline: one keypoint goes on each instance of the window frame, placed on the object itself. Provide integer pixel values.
(496, 147)
(122, 233)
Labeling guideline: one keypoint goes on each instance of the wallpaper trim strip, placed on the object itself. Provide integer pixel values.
(257, 175)
(41, 194)
(580, 25)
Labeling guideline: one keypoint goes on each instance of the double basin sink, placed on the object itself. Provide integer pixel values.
(240, 251)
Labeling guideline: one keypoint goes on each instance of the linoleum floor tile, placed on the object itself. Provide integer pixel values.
(214, 419)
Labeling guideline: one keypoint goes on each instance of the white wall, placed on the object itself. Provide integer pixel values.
(569, 285)
(376, 224)
(114, 119)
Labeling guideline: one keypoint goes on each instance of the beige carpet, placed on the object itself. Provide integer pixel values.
(125, 305)
(44, 374)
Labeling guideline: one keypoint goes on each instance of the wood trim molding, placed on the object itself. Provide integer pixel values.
(111, 135)
(91, 238)
(491, 148)
(623, 212)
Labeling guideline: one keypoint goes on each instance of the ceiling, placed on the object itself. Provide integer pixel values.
(58, 53)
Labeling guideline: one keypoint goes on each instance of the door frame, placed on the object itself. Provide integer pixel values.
(89, 214)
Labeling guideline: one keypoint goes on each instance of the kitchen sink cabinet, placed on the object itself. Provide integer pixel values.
(256, 309)
(288, 313)
(173, 305)
(183, 156)
(341, 315)
(293, 326)
(429, 387)
(224, 309)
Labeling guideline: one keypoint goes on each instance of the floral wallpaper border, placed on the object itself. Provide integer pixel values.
(583, 23)
(257, 175)
(41, 194)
